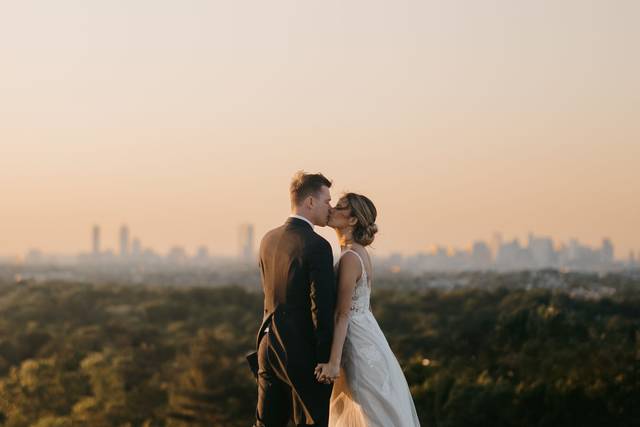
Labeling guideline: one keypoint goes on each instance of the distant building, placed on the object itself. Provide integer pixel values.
(579, 257)
(96, 240)
(177, 255)
(149, 256)
(607, 251)
(495, 243)
(136, 248)
(575, 250)
(541, 251)
(124, 241)
(512, 256)
(202, 252)
(480, 256)
(35, 256)
(202, 255)
(245, 239)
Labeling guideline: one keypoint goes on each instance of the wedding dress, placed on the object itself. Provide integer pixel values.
(371, 390)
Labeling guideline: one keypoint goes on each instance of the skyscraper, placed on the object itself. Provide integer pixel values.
(136, 247)
(607, 251)
(124, 241)
(245, 239)
(96, 240)
(480, 256)
(495, 243)
(541, 251)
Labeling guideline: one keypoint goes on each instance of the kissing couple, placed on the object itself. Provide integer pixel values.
(322, 359)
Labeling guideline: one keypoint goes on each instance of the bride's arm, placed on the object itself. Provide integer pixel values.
(348, 272)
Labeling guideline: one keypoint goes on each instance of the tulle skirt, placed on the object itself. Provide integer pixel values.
(372, 390)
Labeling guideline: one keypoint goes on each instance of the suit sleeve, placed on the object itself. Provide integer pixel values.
(323, 298)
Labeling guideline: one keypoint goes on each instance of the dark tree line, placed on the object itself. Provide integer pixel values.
(81, 354)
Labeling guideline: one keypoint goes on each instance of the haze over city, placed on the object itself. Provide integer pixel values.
(457, 120)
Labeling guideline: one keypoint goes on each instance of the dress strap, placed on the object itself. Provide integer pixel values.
(364, 270)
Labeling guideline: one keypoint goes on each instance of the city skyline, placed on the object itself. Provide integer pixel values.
(539, 250)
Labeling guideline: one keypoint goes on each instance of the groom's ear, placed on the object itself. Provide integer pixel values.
(308, 202)
(353, 220)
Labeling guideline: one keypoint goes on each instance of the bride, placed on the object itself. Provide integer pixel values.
(370, 389)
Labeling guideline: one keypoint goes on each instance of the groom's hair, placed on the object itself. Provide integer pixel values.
(305, 184)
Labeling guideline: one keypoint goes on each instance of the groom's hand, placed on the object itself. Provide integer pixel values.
(319, 376)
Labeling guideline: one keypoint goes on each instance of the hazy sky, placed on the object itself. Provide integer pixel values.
(184, 119)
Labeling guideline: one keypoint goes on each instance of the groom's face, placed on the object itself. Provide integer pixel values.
(322, 206)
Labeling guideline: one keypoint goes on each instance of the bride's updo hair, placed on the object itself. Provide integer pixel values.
(365, 212)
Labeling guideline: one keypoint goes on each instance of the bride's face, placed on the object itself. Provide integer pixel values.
(340, 216)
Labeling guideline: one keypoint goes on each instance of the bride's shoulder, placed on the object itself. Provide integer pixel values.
(349, 268)
(352, 260)
(349, 259)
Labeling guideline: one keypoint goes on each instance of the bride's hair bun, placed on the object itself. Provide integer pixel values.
(372, 228)
(363, 209)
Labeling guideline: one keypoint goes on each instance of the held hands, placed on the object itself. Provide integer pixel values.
(327, 373)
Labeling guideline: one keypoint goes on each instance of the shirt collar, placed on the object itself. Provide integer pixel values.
(302, 218)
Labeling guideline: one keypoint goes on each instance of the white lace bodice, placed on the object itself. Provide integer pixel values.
(360, 301)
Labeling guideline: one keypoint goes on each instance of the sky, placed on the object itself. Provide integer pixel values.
(185, 119)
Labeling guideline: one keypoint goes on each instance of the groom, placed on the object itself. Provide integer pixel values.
(296, 266)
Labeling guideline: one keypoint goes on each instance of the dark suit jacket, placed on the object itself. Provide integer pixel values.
(298, 280)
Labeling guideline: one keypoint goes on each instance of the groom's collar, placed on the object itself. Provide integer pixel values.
(300, 217)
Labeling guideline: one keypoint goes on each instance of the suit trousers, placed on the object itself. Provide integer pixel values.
(286, 393)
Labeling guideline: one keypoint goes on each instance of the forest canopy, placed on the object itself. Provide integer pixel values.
(502, 355)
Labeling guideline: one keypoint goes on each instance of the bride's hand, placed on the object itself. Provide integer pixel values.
(327, 372)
